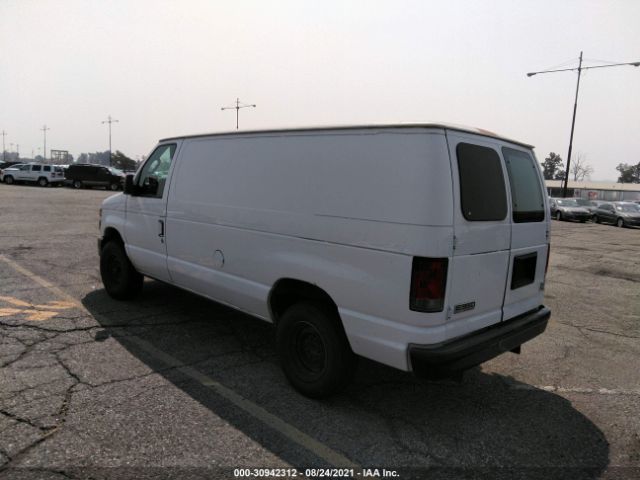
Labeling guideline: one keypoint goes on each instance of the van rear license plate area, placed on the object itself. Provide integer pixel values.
(524, 270)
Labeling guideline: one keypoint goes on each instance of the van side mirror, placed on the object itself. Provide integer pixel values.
(129, 186)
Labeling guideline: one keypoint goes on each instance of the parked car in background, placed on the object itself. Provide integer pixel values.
(621, 214)
(568, 209)
(590, 205)
(88, 175)
(10, 172)
(39, 173)
(4, 165)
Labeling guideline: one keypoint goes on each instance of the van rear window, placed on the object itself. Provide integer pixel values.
(482, 193)
(526, 194)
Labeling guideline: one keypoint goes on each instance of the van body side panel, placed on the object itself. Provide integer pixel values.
(346, 213)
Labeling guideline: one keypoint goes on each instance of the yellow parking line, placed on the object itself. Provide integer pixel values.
(276, 423)
(43, 283)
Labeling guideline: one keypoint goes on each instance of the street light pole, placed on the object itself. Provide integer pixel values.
(110, 121)
(44, 129)
(237, 108)
(4, 134)
(565, 182)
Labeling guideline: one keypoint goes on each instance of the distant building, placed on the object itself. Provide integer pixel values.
(610, 191)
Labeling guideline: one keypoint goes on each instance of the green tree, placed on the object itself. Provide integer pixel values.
(552, 167)
(628, 173)
(121, 161)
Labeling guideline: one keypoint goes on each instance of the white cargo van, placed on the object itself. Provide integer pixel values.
(423, 247)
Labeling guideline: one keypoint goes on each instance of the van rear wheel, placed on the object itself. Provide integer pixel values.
(77, 184)
(113, 187)
(314, 351)
(120, 278)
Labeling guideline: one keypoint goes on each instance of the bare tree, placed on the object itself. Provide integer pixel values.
(580, 169)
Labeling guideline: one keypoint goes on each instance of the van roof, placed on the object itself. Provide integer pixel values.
(444, 126)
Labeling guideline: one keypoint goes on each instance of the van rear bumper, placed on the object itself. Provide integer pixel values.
(449, 358)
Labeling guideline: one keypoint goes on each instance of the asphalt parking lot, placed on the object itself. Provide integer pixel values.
(175, 386)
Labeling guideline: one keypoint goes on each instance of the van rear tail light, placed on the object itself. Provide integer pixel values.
(428, 284)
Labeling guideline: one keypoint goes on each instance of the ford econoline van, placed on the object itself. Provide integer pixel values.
(423, 246)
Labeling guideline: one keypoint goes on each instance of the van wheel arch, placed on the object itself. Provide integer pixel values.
(286, 292)
(111, 235)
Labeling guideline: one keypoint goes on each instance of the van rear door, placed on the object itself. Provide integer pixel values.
(482, 233)
(529, 232)
(500, 232)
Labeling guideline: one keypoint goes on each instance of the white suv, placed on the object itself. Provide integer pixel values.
(38, 173)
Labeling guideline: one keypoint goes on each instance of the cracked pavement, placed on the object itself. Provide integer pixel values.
(79, 397)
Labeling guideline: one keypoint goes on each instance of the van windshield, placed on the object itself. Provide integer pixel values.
(526, 194)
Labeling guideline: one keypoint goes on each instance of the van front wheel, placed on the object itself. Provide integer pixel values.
(314, 351)
(120, 278)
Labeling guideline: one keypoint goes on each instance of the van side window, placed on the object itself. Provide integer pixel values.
(36, 168)
(526, 195)
(47, 168)
(153, 175)
(482, 192)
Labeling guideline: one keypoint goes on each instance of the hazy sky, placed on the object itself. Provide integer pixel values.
(164, 68)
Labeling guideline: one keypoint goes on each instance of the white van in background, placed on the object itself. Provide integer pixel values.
(423, 247)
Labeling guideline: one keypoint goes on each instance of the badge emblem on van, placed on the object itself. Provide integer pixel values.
(464, 307)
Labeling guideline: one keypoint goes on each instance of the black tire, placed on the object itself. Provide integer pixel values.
(620, 222)
(596, 219)
(113, 187)
(77, 184)
(8, 180)
(120, 278)
(558, 216)
(314, 351)
(43, 182)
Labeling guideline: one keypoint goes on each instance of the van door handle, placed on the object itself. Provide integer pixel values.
(161, 228)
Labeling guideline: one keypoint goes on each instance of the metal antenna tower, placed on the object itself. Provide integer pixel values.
(110, 121)
(237, 108)
(44, 129)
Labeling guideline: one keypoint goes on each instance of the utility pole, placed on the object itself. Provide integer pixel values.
(575, 106)
(237, 108)
(4, 134)
(44, 129)
(110, 121)
(18, 151)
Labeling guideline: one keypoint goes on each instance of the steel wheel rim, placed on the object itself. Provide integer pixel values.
(308, 350)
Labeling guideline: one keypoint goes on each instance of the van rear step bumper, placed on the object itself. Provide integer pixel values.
(449, 359)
